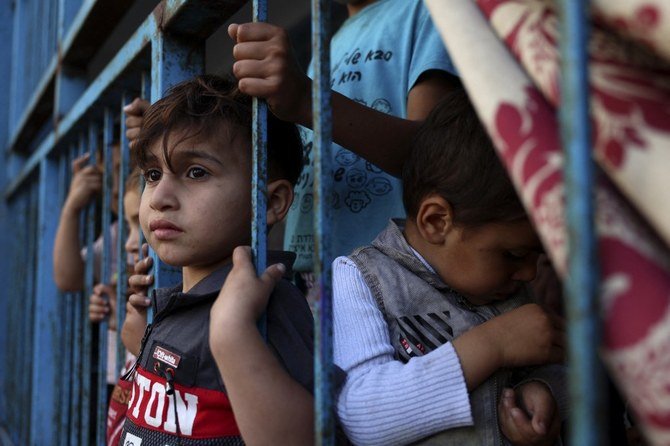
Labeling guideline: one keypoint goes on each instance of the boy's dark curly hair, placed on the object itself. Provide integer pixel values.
(453, 156)
(211, 107)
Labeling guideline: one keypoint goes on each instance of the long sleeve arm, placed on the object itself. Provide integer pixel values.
(384, 401)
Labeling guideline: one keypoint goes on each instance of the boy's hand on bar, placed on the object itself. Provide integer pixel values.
(138, 284)
(266, 67)
(244, 295)
(134, 118)
(99, 306)
(86, 183)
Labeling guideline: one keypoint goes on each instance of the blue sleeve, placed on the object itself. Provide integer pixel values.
(428, 51)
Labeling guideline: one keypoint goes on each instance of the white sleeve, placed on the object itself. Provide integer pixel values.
(385, 401)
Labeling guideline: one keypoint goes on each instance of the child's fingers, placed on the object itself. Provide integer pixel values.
(137, 107)
(251, 51)
(145, 249)
(250, 32)
(249, 68)
(139, 301)
(232, 31)
(143, 266)
(272, 275)
(140, 280)
(261, 88)
(134, 121)
(80, 162)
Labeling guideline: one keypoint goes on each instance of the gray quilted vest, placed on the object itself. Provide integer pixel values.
(422, 313)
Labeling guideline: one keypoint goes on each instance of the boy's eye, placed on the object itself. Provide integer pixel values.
(197, 172)
(152, 175)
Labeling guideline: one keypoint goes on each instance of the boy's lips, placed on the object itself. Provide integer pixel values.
(164, 230)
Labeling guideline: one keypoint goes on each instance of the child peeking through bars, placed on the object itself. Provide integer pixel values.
(194, 150)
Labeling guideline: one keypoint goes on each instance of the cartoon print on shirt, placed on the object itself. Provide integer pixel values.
(379, 186)
(306, 203)
(346, 158)
(356, 178)
(357, 200)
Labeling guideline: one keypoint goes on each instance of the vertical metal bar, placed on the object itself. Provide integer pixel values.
(89, 278)
(78, 328)
(321, 112)
(28, 327)
(105, 273)
(47, 325)
(259, 175)
(172, 61)
(121, 258)
(65, 300)
(585, 375)
(145, 93)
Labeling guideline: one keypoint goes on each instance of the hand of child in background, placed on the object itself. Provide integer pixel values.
(86, 183)
(136, 309)
(102, 303)
(528, 335)
(134, 117)
(266, 67)
(528, 415)
(243, 298)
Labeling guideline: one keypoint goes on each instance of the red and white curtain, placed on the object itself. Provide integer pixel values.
(507, 54)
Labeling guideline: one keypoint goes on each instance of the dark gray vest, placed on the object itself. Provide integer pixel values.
(422, 313)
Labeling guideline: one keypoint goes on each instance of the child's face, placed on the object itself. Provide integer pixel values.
(131, 209)
(195, 216)
(490, 262)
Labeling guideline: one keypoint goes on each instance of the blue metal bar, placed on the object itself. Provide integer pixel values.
(66, 300)
(121, 258)
(259, 174)
(78, 328)
(28, 327)
(89, 282)
(106, 272)
(47, 349)
(172, 61)
(585, 375)
(322, 119)
(145, 93)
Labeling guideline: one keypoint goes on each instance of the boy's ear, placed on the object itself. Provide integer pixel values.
(434, 219)
(280, 197)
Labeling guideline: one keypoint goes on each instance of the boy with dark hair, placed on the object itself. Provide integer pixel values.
(436, 305)
(195, 153)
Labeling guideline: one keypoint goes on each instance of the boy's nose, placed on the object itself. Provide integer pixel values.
(162, 195)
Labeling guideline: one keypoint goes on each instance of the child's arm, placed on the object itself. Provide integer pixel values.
(525, 336)
(268, 404)
(266, 68)
(136, 310)
(380, 400)
(68, 264)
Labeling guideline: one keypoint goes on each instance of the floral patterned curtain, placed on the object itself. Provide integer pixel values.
(507, 54)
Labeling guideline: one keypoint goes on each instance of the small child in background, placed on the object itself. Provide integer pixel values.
(69, 256)
(430, 319)
(100, 308)
(194, 149)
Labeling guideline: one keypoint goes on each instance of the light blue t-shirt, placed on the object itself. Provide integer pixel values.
(377, 56)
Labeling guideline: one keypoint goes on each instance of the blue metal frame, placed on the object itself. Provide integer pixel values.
(322, 118)
(121, 258)
(581, 286)
(47, 324)
(259, 176)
